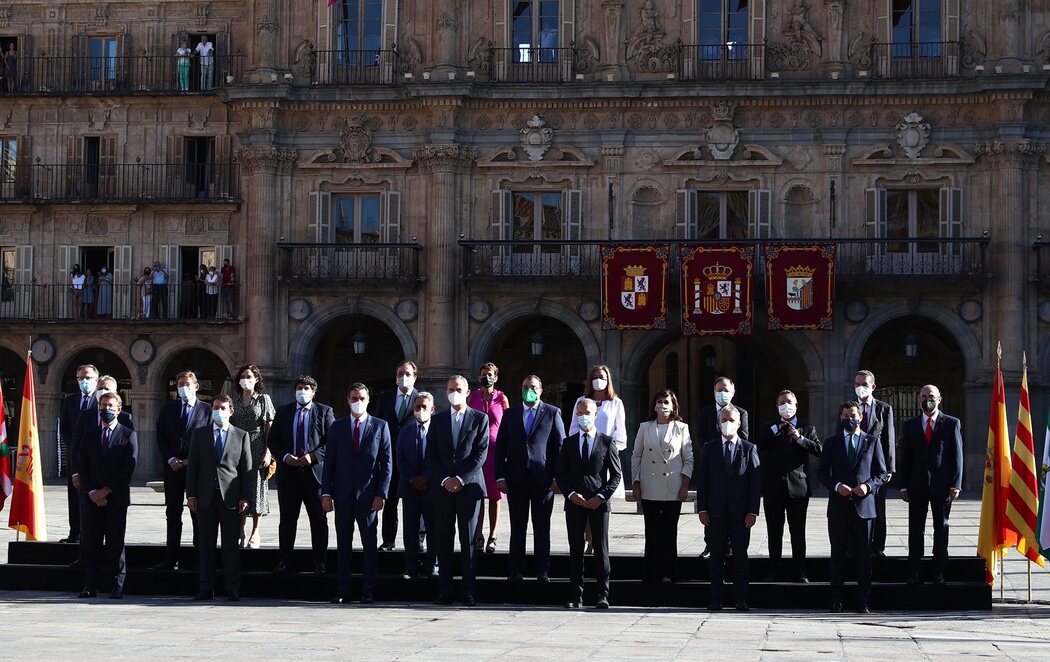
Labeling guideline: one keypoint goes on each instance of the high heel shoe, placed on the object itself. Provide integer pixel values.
(479, 545)
(253, 541)
(491, 547)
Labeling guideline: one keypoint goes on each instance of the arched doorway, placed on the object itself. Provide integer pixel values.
(339, 361)
(107, 363)
(213, 375)
(12, 380)
(909, 352)
(545, 347)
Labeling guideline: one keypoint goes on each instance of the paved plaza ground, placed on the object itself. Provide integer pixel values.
(56, 626)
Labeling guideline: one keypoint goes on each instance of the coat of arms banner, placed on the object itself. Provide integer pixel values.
(716, 289)
(800, 286)
(634, 286)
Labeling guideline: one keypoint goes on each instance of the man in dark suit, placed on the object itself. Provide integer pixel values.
(707, 429)
(931, 466)
(784, 447)
(107, 462)
(727, 499)
(852, 469)
(457, 445)
(354, 482)
(527, 447)
(395, 407)
(175, 426)
(297, 438)
(587, 472)
(72, 406)
(414, 489)
(218, 487)
(876, 418)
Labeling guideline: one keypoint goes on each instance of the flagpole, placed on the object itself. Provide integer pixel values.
(1029, 564)
(1002, 577)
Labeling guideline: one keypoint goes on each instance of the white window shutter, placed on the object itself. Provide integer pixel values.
(951, 219)
(391, 232)
(23, 283)
(124, 289)
(320, 229)
(171, 260)
(67, 256)
(223, 252)
(501, 214)
(759, 204)
(572, 210)
(685, 214)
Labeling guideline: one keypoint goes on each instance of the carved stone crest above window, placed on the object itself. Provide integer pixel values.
(536, 138)
(356, 142)
(723, 136)
(913, 134)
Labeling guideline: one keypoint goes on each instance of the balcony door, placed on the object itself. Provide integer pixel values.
(530, 216)
(723, 44)
(359, 41)
(909, 214)
(91, 167)
(534, 54)
(346, 225)
(723, 215)
(200, 165)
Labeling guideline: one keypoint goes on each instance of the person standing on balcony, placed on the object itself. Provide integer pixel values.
(492, 403)
(182, 63)
(76, 289)
(202, 292)
(89, 295)
(160, 291)
(11, 67)
(229, 289)
(211, 285)
(105, 294)
(206, 52)
(145, 281)
(395, 407)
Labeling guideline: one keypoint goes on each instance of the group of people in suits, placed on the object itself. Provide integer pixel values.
(441, 466)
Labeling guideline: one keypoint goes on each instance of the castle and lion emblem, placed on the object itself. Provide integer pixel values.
(716, 292)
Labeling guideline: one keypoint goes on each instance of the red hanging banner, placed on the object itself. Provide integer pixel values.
(800, 286)
(634, 286)
(716, 289)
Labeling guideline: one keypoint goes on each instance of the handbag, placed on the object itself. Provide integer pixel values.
(270, 470)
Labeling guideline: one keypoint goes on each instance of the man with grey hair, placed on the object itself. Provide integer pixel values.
(414, 488)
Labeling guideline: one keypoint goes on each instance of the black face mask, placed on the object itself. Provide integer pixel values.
(929, 405)
(849, 424)
(487, 381)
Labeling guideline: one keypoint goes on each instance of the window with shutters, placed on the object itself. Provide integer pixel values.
(916, 22)
(723, 215)
(902, 216)
(350, 229)
(9, 263)
(102, 61)
(525, 217)
(356, 219)
(8, 163)
(359, 32)
(534, 30)
(723, 29)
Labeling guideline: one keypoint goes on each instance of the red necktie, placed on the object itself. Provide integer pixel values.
(357, 435)
(929, 430)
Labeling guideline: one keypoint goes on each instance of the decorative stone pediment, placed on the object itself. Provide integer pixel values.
(913, 134)
(647, 47)
(536, 138)
(535, 146)
(751, 156)
(939, 154)
(383, 158)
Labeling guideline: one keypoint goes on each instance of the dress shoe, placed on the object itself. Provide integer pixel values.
(386, 547)
(543, 579)
(88, 593)
(340, 600)
(836, 607)
(76, 564)
(320, 569)
(116, 594)
(706, 553)
(666, 580)
(742, 606)
(938, 578)
(515, 577)
(802, 579)
(71, 540)
(166, 564)
(863, 609)
(434, 572)
(878, 555)
(367, 599)
(469, 601)
(914, 578)
(280, 568)
(408, 576)
(444, 600)
(204, 595)
(714, 606)
(572, 604)
(603, 603)
(233, 596)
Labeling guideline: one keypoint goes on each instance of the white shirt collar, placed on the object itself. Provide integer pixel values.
(215, 426)
(926, 418)
(363, 419)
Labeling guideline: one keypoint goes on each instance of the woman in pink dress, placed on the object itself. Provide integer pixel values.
(492, 403)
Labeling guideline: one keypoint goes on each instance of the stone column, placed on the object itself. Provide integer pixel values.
(1010, 16)
(613, 60)
(266, 26)
(442, 347)
(147, 404)
(446, 37)
(835, 62)
(263, 171)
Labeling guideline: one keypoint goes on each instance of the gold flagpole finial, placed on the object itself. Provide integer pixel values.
(998, 351)
(1024, 359)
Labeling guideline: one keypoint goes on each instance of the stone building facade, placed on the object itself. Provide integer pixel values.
(379, 171)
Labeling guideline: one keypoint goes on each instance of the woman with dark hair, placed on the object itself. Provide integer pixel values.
(253, 412)
(492, 403)
(661, 466)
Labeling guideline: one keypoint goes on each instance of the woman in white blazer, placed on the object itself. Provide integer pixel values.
(661, 466)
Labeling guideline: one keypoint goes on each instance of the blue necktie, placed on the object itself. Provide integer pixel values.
(105, 439)
(419, 449)
(300, 433)
(218, 446)
(530, 414)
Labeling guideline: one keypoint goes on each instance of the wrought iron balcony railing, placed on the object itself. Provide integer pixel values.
(369, 262)
(855, 258)
(138, 74)
(532, 65)
(187, 301)
(721, 62)
(44, 183)
(932, 59)
(360, 67)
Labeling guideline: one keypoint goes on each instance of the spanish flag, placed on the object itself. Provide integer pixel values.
(27, 501)
(993, 537)
(1022, 505)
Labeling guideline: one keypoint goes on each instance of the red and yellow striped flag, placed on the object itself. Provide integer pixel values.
(993, 537)
(27, 501)
(1022, 505)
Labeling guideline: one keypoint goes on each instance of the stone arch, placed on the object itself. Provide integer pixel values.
(118, 349)
(304, 342)
(490, 330)
(171, 349)
(947, 318)
(647, 199)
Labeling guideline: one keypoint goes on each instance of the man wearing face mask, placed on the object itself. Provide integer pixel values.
(395, 407)
(298, 438)
(108, 459)
(414, 489)
(876, 418)
(727, 499)
(218, 487)
(931, 466)
(707, 429)
(588, 472)
(852, 469)
(457, 444)
(527, 447)
(354, 482)
(175, 426)
(72, 406)
(785, 446)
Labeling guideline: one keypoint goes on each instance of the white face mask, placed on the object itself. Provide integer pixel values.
(863, 391)
(457, 399)
(787, 410)
(663, 409)
(599, 384)
(728, 428)
(304, 396)
(422, 415)
(86, 385)
(406, 382)
(358, 407)
(247, 384)
(187, 393)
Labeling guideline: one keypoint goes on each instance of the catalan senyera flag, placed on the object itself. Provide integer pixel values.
(1044, 514)
(27, 499)
(993, 537)
(6, 485)
(1022, 503)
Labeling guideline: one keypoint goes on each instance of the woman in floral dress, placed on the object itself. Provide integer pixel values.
(253, 412)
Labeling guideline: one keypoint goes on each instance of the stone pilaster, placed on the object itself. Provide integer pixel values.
(266, 29)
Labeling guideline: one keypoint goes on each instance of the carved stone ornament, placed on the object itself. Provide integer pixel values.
(478, 55)
(409, 55)
(913, 134)
(647, 47)
(801, 42)
(6, 14)
(723, 136)
(860, 52)
(259, 159)
(356, 142)
(266, 24)
(448, 22)
(536, 138)
(305, 60)
(445, 157)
